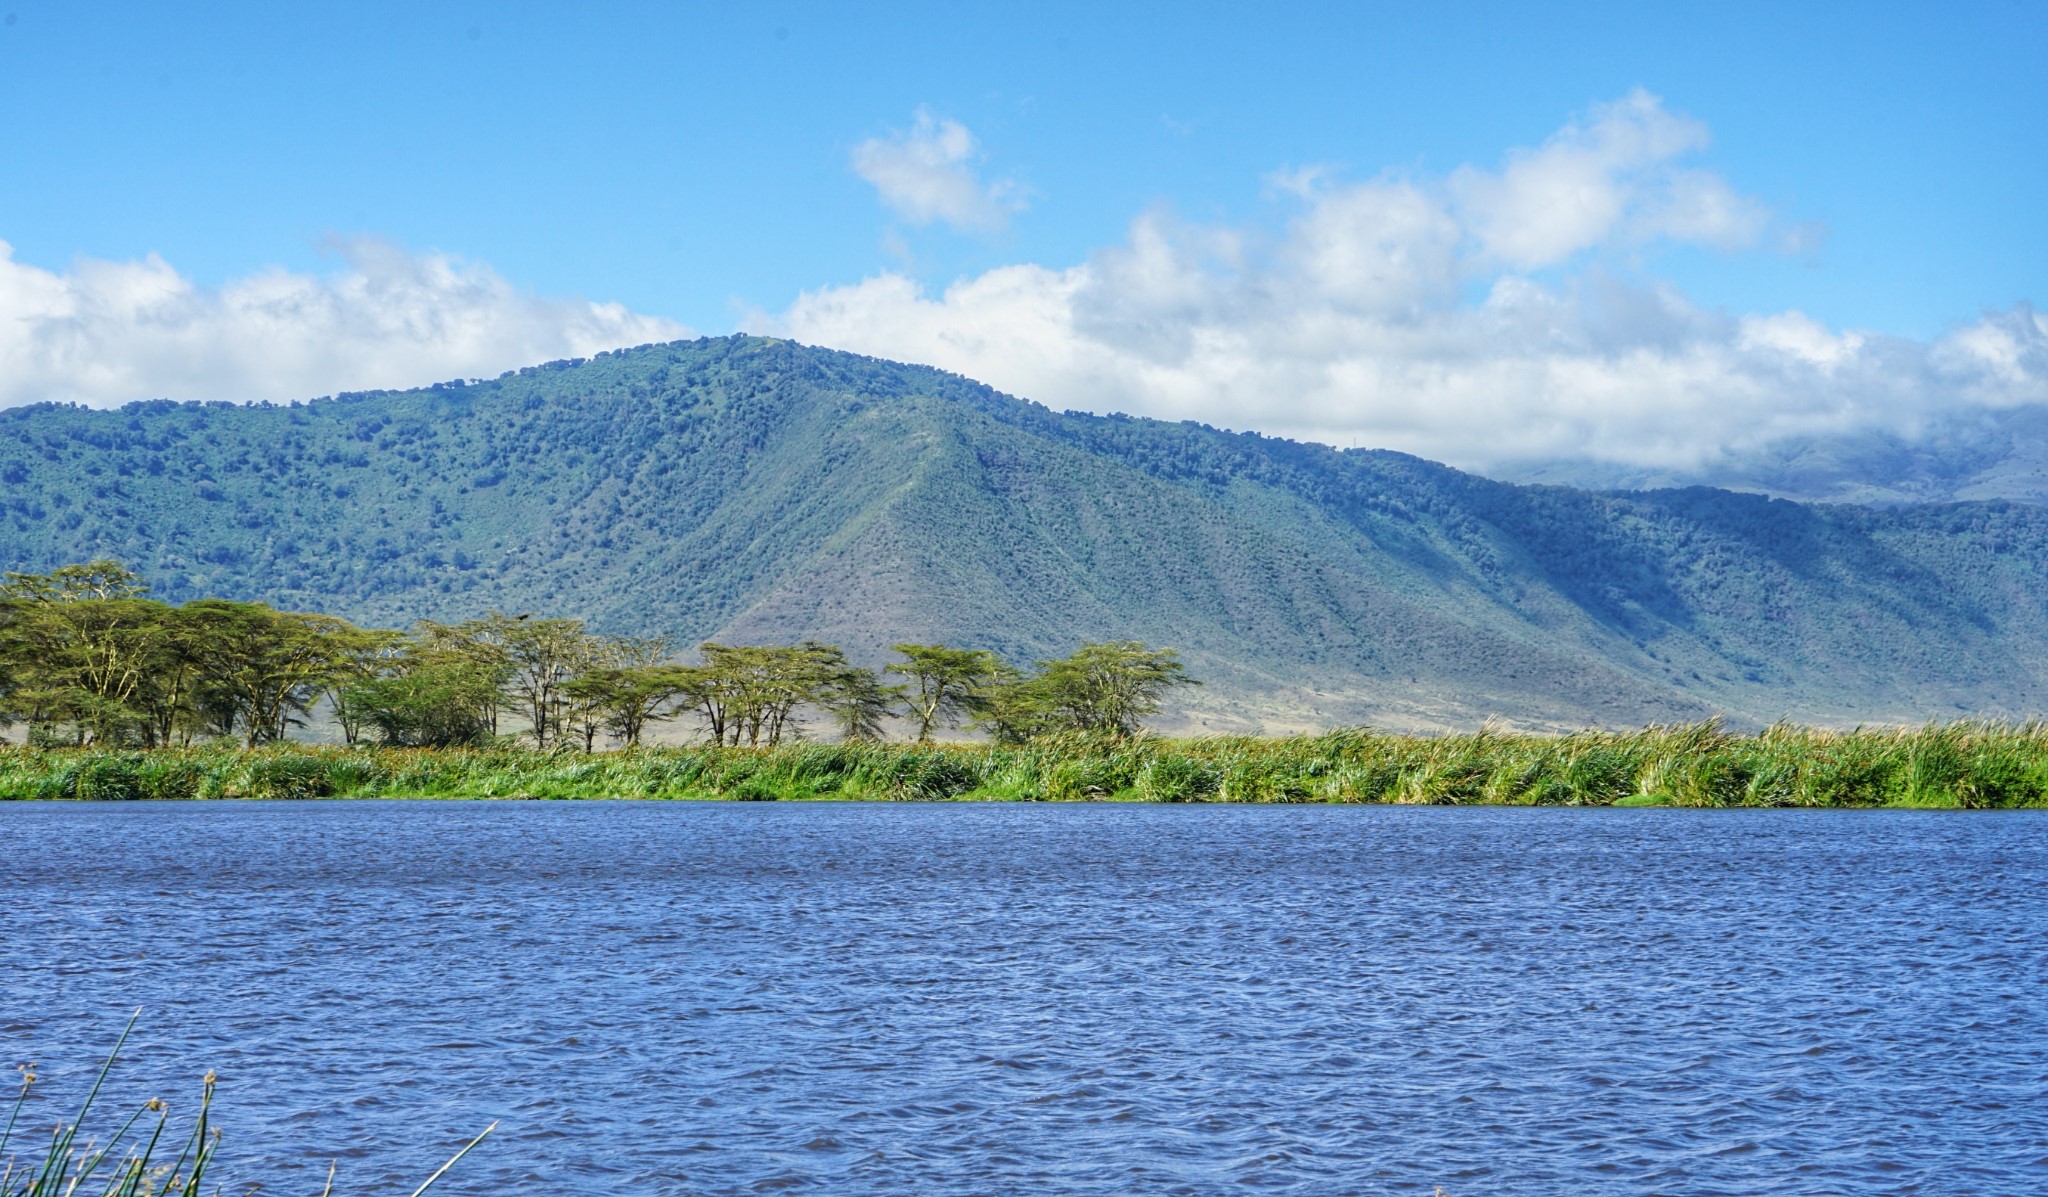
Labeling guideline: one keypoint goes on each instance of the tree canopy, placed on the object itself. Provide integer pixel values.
(87, 658)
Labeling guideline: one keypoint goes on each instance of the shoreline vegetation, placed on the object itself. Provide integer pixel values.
(127, 698)
(1940, 766)
(87, 659)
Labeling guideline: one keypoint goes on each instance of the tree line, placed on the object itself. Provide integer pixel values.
(88, 658)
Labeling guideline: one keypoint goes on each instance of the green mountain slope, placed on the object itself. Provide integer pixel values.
(757, 490)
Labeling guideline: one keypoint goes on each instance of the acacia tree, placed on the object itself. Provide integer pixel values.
(267, 667)
(622, 701)
(86, 656)
(858, 704)
(795, 676)
(81, 643)
(169, 697)
(726, 690)
(440, 687)
(1106, 689)
(749, 694)
(942, 682)
(1010, 708)
(544, 654)
(622, 686)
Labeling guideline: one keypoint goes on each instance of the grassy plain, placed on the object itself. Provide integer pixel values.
(1958, 765)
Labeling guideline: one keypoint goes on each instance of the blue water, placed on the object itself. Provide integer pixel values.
(698, 998)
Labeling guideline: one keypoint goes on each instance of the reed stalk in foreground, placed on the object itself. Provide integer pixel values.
(129, 1163)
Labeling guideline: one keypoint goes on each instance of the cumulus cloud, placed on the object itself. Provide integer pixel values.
(104, 332)
(1610, 175)
(1476, 318)
(927, 175)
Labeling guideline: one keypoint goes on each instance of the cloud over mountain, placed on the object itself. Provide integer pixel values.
(1479, 317)
(104, 333)
(1485, 316)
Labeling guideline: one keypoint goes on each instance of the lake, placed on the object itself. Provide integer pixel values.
(685, 998)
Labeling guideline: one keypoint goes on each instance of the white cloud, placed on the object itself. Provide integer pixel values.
(927, 174)
(104, 333)
(2005, 354)
(1800, 338)
(1403, 312)
(1610, 175)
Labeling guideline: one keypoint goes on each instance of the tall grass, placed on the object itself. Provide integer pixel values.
(1960, 765)
(131, 1162)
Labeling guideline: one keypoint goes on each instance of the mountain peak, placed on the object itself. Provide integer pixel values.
(754, 489)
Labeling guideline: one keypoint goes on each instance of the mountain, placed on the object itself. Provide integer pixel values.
(1971, 454)
(759, 491)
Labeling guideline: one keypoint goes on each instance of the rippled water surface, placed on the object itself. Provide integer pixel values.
(699, 998)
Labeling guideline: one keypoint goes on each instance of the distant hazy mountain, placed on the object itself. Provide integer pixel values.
(756, 490)
(1977, 454)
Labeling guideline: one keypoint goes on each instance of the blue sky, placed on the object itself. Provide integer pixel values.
(700, 165)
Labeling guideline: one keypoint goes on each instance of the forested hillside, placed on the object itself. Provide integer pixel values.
(759, 491)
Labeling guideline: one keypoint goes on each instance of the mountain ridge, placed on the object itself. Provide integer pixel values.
(1967, 455)
(753, 489)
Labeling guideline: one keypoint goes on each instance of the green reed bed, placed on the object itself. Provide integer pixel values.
(1958, 765)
